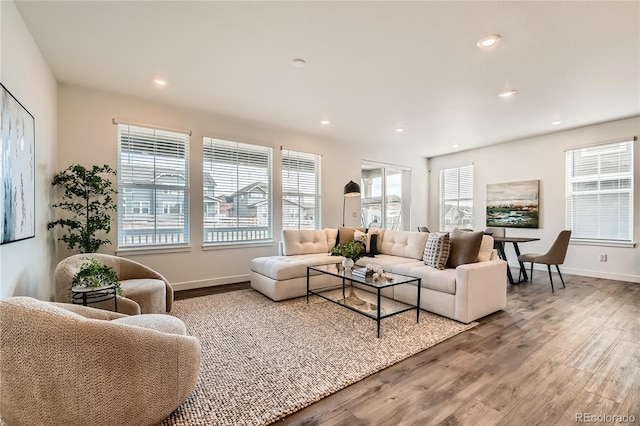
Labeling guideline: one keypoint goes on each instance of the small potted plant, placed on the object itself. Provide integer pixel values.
(93, 274)
(350, 250)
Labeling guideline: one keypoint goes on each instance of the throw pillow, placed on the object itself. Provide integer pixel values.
(369, 240)
(346, 234)
(436, 251)
(465, 247)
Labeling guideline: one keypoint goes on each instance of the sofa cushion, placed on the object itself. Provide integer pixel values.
(149, 293)
(385, 261)
(465, 247)
(158, 322)
(436, 251)
(432, 278)
(403, 243)
(486, 249)
(288, 267)
(308, 241)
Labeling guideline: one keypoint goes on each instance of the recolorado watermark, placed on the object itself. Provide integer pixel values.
(604, 418)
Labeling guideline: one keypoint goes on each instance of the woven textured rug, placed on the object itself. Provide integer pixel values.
(263, 360)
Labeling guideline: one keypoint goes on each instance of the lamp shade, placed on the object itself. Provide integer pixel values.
(351, 189)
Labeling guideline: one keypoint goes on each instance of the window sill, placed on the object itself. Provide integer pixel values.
(133, 251)
(604, 243)
(236, 245)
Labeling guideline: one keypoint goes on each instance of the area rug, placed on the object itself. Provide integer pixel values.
(262, 360)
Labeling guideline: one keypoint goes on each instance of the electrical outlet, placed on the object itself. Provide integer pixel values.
(354, 213)
(603, 257)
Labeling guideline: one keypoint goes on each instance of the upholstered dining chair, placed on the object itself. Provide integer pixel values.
(145, 290)
(495, 232)
(555, 256)
(65, 364)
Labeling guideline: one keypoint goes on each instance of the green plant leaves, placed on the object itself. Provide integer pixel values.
(86, 196)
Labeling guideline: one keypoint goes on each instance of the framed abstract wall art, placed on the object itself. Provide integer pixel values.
(17, 167)
(513, 204)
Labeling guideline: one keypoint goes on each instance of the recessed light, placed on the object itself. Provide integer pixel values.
(489, 41)
(507, 93)
(325, 122)
(556, 122)
(399, 130)
(159, 82)
(298, 63)
(456, 145)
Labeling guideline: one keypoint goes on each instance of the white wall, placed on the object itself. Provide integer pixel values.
(543, 158)
(26, 266)
(87, 136)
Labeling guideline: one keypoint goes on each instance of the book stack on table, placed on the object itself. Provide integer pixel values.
(362, 272)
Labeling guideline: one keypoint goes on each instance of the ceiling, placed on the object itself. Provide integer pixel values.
(371, 67)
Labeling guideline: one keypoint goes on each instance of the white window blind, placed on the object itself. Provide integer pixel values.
(153, 183)
(456, 198)
(237, 192)
(599, 192)
(300, 190)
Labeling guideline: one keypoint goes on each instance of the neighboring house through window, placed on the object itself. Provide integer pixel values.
(300, 190)
(385, 194)
(456, 198)
(237, 192)
(153, 184)
(599, 192)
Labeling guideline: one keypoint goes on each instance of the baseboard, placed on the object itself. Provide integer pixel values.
(210, 282)
(582, 272)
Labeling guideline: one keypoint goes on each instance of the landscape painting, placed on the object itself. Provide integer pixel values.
(513, 204)
(17, 158)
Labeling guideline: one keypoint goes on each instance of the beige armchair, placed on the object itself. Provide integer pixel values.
(555, 256)
(64, 364)
(145, 290)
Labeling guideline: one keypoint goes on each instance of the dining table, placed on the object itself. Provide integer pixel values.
(500, 245)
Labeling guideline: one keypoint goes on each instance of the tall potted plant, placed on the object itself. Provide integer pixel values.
(87, 198)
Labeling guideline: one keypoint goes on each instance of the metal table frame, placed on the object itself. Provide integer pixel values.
(89, 295)
(346, 275)
(500, 241)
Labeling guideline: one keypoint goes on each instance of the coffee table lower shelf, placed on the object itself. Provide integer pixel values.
(370, 304)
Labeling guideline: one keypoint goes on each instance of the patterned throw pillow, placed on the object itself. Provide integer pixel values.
(436, 251)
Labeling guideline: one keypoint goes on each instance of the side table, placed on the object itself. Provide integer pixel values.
(87, 295)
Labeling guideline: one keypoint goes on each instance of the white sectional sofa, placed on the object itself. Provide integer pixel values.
(464, 293)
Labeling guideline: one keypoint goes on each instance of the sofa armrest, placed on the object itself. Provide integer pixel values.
(481, 289)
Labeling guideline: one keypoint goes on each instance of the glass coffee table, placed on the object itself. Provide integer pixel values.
(368, 303)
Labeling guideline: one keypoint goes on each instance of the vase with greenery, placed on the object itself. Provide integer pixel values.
(350, 250)
(93, 274)
(87, 197)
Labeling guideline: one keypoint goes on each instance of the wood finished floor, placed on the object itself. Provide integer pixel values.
(541, 361)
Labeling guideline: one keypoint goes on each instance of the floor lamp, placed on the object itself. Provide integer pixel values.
(351, 189)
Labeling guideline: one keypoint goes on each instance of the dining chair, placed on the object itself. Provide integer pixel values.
(495, 232)
(555, 256)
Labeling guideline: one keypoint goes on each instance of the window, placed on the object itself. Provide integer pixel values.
(300, 190)
(153, 173)
(389, 183)
(237, 192)
(456, 198)
(599, 192)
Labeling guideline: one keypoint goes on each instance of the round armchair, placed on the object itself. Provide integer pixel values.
(145, 290)
(64, 364)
